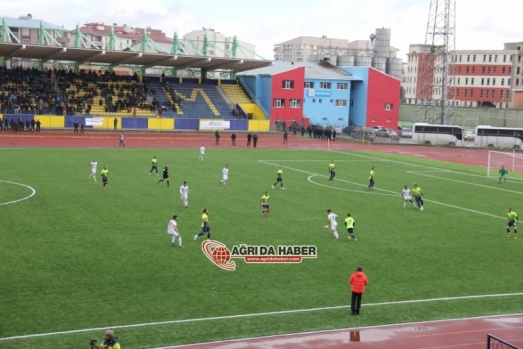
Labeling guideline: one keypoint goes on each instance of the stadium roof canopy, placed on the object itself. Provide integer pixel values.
(116, 58)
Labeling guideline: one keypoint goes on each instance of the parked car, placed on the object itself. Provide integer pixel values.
(386, 132)
(469, 135)
(406, 133)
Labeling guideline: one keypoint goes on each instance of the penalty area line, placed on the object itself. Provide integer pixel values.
(252, 315)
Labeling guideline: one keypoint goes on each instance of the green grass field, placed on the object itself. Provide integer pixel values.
(77, 257)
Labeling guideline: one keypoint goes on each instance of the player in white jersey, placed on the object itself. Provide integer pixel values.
(172, 230)
(184, 192)
(94, 166)
(225, 175)
(202, 152)
(331, 217)
(405, 193)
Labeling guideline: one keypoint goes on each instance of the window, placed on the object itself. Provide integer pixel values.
(518, 70)
(341, 102)
(465, 93)
(480, 93)
(278, 103)
(502, 81)
(501, 93)
(468, 69)
(309, 84)
(487, 93)
(482, 81)
(325, 85)
(287, 84)
(459, 81)
(474, 58)
(473, 69)
(351, 103)
(503, 70)
(488, 81)
(466, 81)
(471, 92)
(484, 58)
(493, 81)
(483, 69)
(468, 58)
(25, 31)
(342, 86)
(490, 58)
(388, 106)
(504, 58)
(25, 41)
(294, 103)
(320, 100)
(488, 70)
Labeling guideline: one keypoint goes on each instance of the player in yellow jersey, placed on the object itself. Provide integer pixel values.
(264, 203)
(371, 179)
(512, 222)
(418, 196)
(349, 224)
(206, 228)
(331, 170)
(105, 174)
(154, 166)
(279, 178)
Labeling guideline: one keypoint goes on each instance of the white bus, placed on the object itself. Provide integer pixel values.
(498, 137)
(423, 133)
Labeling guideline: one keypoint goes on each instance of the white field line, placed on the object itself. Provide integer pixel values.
(270, 313)
(418, 323)
(374, 192)
(424, 173)
(33, 192)
(515, 180)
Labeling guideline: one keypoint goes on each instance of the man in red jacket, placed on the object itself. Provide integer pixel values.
(358, 281)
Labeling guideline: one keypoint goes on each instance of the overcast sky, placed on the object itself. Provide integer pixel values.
(480, 23)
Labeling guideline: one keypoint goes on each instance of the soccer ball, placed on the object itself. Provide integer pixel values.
(326, 227)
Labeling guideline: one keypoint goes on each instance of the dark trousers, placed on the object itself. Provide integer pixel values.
(371, 183)
(355, 303)
(333, 173)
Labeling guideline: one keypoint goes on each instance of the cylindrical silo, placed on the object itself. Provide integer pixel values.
(362, 61)
(379, 63)
(395, 67)
(345, 61)
(382, 43)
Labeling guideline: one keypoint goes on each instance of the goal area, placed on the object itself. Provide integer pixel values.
(512, 161)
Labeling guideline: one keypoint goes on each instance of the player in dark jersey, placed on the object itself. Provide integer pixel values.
(165, 175)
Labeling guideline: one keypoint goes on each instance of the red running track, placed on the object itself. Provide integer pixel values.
(445, 334)
(48, 139)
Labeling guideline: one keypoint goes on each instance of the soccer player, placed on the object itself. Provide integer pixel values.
(405, 193)
(165, 175)
(121, 143)
(206, 228)
(172, 230)
(225, 175)
(512, 222)
(331, 170)
(279, 178)
(503, 174)
(154, 166)
(331, 218)
(184, 192)
(94, 167)
(349, 224)
(371, 179)
(105, 174)
(264, 202)
(418, 196)
(202, 152)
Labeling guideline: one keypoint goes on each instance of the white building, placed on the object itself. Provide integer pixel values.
(482, 78)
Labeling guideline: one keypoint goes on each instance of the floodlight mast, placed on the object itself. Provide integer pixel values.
(435, 92)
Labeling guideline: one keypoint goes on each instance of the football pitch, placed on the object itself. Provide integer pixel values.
(77, 259)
